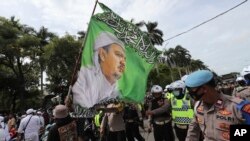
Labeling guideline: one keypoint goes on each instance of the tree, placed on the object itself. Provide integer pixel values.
(155, 34)
(61, 55)
(45, 37)
(160, 76)
(182, 58)
(197, 64)
(81, 34)
(138, 24)
(19, 50)
(178, 57)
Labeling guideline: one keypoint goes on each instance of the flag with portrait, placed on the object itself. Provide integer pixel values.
(124, 78)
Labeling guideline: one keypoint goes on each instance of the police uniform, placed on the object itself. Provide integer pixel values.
(215, 119)
(182, 114)
(243, 92)
(182, 109)
(132, 117)
(161, 119)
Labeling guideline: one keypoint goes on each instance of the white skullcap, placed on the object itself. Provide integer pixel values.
(29, 111)
(106, 38)
(60, 111)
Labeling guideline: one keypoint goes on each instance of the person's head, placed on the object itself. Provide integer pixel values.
(156, 91)
(240, 81)
(11, 115)
(60, 112)
(30, 111)
(168, 88)
(111, 56)
(201, 85)
(39, 113)
(246, 74)
(179, 88)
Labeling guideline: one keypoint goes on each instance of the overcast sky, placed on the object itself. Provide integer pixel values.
(222, 44)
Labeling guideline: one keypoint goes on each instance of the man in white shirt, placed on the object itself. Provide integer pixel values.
(30, 126)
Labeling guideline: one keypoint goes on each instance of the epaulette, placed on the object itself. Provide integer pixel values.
(236, 100)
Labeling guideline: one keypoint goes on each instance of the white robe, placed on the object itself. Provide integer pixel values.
(4, 132)
(32, 129)
(91, 87)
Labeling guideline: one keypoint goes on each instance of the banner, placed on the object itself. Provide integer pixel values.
(116, 60)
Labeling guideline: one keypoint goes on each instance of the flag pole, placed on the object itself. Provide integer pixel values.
(79, 55)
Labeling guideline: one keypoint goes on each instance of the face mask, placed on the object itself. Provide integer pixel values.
(176, 92)
(195, 96)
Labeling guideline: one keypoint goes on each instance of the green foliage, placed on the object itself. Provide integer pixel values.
(61, 55)
(161, 75)
(17, 63)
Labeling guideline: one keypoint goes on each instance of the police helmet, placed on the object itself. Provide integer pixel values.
(167, 88)
(240, 78)
(156, 89)
(245, 71)
(183, 78)
(179, 84)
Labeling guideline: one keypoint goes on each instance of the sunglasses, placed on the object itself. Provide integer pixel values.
(193, 93)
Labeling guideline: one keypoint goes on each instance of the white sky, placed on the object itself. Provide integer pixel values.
(222, 44)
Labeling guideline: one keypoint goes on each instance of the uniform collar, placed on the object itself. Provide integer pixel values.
(220, 103)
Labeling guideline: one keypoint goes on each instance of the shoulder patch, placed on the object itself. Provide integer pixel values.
(225, 112)
(246, 108)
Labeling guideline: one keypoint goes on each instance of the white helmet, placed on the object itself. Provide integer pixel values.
(183, 78)
(166, 88)
(178, 84)
(240, 78)
(156, 89)
(245, 71)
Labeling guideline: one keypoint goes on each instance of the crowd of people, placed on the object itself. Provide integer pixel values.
(17, 126)
(194, 108)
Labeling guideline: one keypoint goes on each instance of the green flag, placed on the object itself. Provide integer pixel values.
(116, 60)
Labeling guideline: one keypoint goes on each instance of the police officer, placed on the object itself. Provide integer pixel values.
(168, 91)
(214, 112)
(244, 91)
(133, 118)
(159, 113)
(182, 109)
(240, 85)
